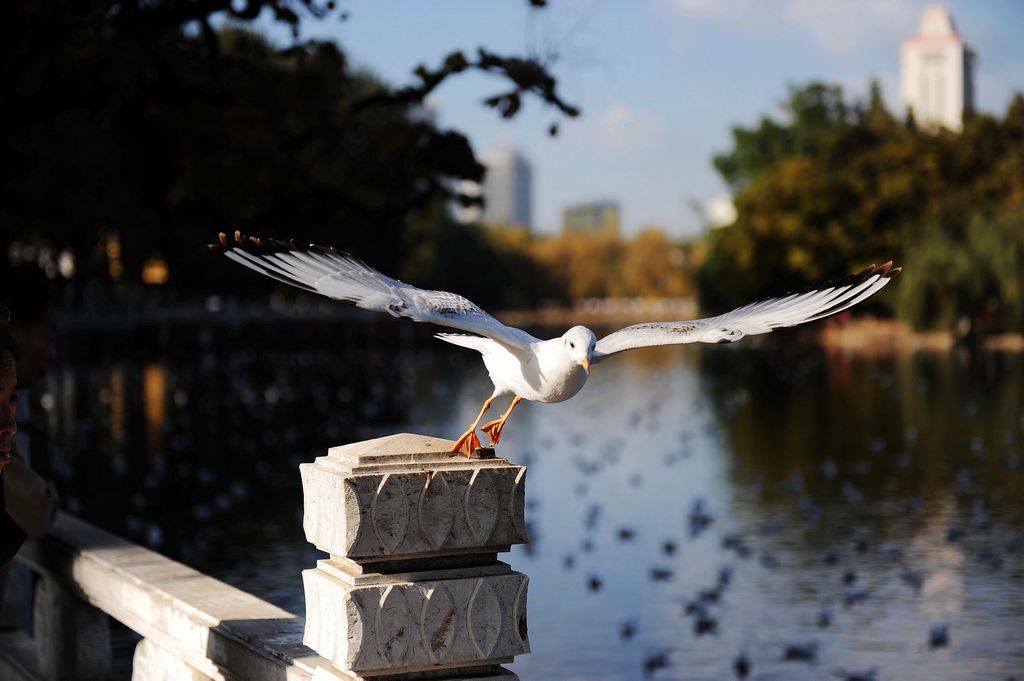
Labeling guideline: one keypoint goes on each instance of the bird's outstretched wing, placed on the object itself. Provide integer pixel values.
(338, 275)
(760, 317)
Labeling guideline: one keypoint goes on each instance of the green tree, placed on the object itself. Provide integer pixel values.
(840, 185)
(967, 284)
(817, 115)
(938, 281)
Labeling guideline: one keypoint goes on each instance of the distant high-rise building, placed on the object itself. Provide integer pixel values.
(592, 218)
(937, 71)
(507, 191)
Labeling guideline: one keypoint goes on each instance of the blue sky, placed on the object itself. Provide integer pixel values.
(660, 82)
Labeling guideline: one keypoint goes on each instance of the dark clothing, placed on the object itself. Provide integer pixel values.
(11, 534)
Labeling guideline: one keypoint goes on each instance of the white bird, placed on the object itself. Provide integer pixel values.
(519, 364)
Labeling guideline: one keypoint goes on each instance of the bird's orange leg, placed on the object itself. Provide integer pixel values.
(493, 429)
(469, 442)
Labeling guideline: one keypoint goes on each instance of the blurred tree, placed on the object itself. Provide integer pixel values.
(999, 247)
(582, 266)
(652, 267)
(939, 280)
(147, 120)
(973, 284)
(574, 266)
(817, 115)
(525, 284)
(444, 254)
(839, 186)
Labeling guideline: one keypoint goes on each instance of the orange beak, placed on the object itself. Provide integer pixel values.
(585, 363)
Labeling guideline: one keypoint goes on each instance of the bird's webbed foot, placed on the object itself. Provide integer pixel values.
(467, 444)
(493, 430)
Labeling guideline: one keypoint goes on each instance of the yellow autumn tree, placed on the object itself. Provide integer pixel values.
(653, 267)
(583, 266)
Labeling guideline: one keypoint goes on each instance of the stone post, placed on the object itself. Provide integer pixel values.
(413, 587)
(73, 637)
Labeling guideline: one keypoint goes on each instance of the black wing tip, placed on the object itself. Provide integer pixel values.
(886, 271)
(251, 243)
(221, 245)
(262, 245)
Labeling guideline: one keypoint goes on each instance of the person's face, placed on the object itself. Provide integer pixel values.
(8, 406)
(36, 347)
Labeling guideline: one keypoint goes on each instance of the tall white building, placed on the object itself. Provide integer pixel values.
(507, 189)
(937, 71)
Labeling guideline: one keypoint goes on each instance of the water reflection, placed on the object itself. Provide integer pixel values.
(116, 398)
(777, 508)
(154, 401)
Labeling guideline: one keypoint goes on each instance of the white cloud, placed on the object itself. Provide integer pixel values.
(842, 27)
(839, 27)
(623, 131)
(733, 13)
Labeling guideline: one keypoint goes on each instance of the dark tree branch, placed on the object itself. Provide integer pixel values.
(529, 76)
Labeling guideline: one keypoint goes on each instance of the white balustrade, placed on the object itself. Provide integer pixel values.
(412, 588)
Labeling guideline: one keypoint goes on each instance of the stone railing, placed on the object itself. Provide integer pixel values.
(412, 588)
(193, 626)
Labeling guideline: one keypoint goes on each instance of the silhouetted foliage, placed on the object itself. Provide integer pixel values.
(165, 121)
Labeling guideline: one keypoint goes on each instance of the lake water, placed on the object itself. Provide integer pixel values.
(692, 506)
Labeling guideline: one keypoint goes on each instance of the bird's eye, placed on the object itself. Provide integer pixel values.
(572, 345)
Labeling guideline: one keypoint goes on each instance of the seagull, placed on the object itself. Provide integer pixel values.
(519, 364)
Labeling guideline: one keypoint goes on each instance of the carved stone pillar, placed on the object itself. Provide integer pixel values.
(413, 583)
(73, 637)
